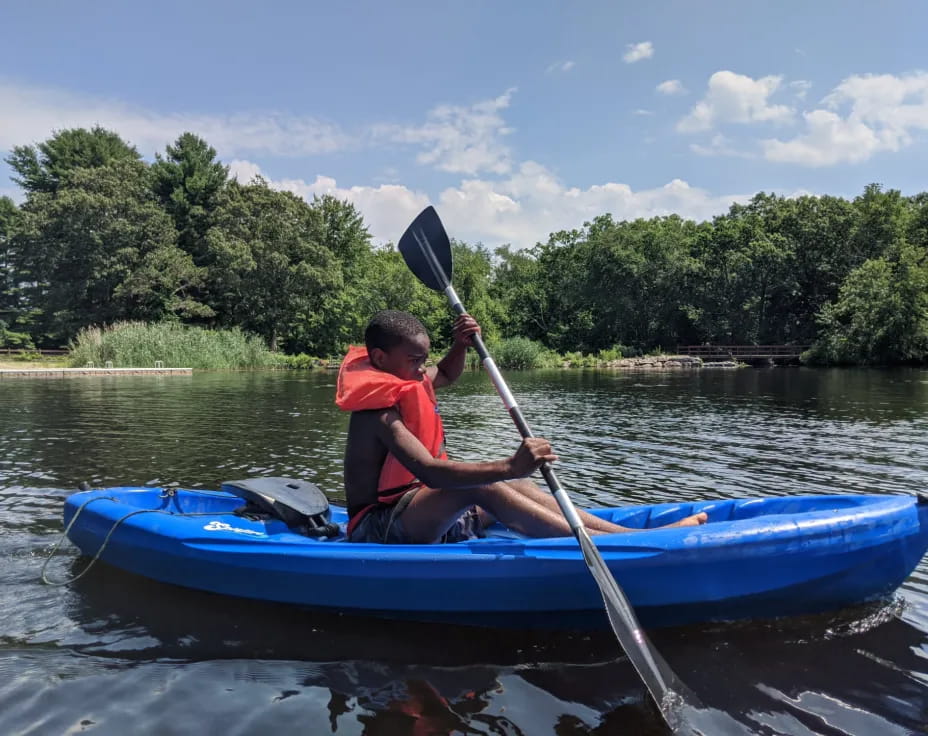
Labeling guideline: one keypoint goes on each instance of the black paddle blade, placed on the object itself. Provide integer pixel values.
(427, 250)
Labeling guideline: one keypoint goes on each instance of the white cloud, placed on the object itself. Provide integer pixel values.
(458, 139)
(560, 66)
(828, 139)
(521, 209)
(638, 51)
(244, 171)
(881, 113)
(720, 146)
(885, 99)
(800, 87)
(671, 87)
(642, 111)
(533, 202)
(31, 114)
(736, 98)
(464, 140)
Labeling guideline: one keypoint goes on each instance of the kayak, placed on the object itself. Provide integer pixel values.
(754, 558)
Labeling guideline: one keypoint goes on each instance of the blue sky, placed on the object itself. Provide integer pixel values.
(514, 118)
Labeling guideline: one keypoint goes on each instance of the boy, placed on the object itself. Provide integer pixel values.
(399, 483)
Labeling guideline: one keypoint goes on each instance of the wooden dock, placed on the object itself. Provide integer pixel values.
(747, 353)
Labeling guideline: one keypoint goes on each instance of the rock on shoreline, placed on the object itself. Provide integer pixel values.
(667, 362)
(656, 361)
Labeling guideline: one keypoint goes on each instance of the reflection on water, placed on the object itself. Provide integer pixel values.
(114, 653)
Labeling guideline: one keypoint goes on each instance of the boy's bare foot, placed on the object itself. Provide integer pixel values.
(694, 520)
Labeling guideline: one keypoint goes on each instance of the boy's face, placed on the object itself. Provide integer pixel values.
(406, 360)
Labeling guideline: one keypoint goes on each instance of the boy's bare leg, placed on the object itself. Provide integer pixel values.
(591, 522)
(520, 505)
(432, 511)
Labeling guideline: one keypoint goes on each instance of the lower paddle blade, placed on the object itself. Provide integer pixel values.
(668, 692)
(427, 250)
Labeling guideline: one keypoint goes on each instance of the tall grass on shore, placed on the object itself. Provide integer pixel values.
(140, 345)
(520, 353)
(517, 353)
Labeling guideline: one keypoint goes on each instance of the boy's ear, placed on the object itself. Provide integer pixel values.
(376, 355)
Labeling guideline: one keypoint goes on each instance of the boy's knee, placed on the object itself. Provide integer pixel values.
(486, 494)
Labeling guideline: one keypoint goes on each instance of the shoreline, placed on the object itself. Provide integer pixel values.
(662, 362)
(6, 373)
(650, 362)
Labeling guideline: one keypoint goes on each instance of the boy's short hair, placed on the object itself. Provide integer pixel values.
(389, 328)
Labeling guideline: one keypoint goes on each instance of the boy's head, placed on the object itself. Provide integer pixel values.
(397, 343)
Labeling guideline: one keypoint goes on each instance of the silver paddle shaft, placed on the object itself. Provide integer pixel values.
(654, 672)
(618, 609)
(557, 490)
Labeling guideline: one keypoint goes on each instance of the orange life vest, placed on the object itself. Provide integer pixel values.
(361, 386)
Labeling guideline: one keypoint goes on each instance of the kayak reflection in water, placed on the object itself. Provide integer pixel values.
(400, 485)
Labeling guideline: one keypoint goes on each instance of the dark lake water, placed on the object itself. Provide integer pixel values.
(114, 653)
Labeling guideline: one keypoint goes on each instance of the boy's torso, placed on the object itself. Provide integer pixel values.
(364, 458)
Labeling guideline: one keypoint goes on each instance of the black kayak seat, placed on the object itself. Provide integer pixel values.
(301, 505)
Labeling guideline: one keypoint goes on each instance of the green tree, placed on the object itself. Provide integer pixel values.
(745, 275)
(473, 270)
(8, 279)
(13, 318)
(388, 284)
(187, 180)
(610, 283)
(564, 318)
(881, 314)
(343, 312)
(43, 167)
(101, 249)
(268, 271)
(518, 290)
(918, 223)
(647, 302)
(881, 218)
(817, 231)
(376, 279)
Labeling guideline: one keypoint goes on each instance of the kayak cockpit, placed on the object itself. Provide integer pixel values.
(660, 515)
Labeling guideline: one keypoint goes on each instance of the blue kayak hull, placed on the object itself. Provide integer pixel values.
(755, 558)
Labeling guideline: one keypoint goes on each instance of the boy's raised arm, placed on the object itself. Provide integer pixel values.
(450, 367)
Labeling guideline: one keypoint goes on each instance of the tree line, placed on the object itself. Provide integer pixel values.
(103, 236)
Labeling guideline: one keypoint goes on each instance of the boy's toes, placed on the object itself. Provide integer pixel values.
(694, 520)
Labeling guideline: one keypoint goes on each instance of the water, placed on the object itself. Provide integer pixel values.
(113, 653)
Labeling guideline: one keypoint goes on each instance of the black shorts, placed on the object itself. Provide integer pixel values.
(384, 525)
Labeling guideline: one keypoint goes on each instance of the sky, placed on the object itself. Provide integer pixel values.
(515, 119)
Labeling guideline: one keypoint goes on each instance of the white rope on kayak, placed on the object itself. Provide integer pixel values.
(106, 539)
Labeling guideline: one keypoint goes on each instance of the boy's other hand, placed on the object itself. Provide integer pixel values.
(464, 327)
(531, 454)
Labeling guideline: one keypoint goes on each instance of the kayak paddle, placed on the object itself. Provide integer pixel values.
(427, 251)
